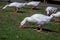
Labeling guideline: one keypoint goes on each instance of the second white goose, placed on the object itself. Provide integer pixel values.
(39, 19)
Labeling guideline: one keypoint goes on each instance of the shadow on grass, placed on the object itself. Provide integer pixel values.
(44, 29)
(49, 30)
(13, 11)
(3, 38)
(7, 10)
(21, 12)
(30, 27)
(36, 9)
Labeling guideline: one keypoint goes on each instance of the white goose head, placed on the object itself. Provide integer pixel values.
(51, 10)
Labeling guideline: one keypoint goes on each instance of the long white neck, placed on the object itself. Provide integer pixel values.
(5, 6)
(51, 16)
(24, 21)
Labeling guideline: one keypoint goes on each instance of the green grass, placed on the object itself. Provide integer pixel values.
(9, 29)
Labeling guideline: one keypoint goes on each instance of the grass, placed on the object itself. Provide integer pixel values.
(9, 29)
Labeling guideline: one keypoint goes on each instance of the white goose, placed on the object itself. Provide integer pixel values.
(39, 19)
(34, 4)
(16, 5)
(57, 14)
(51, 10)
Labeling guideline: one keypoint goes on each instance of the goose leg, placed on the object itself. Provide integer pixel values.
(16, 9)
(39, 28)
(32, 7)
(35, 6)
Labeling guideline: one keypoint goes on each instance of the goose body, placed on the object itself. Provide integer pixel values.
(33, 4)
(39, 19)
(51, 10)
(15, 5)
